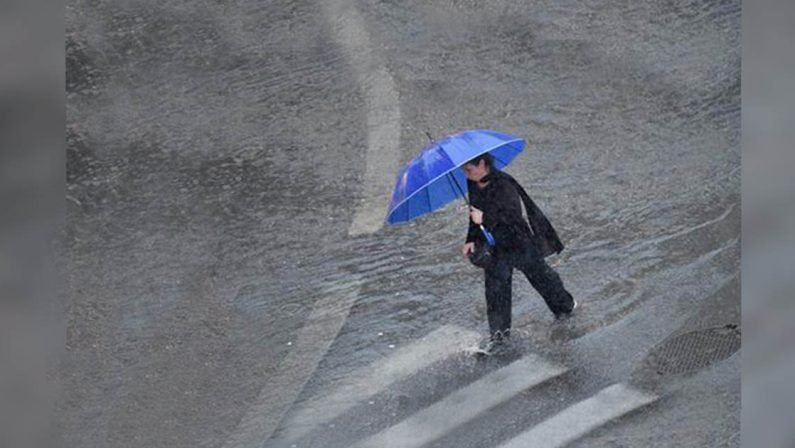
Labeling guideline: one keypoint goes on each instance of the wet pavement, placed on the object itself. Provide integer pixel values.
(227, 285)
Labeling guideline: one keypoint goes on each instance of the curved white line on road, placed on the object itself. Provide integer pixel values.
(383, 115)
(281, 388)
(328, 317)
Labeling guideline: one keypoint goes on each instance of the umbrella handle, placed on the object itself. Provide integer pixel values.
(489, 237)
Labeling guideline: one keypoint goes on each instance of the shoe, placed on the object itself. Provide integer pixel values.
(497, 343)
(494, 346)
(564, 316)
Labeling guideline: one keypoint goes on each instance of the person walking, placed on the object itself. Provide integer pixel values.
(496, 201)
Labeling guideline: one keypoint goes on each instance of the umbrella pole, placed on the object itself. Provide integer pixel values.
(460, 190)
(486, 233)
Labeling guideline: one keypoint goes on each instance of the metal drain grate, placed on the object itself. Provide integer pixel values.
(695, 350)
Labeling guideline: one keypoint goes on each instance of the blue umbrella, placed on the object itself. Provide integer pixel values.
(433, 178)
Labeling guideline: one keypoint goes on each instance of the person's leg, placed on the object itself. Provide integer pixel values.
(498, 296)
(547, 282)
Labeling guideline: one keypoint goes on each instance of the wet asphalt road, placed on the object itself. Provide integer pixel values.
(223, 169)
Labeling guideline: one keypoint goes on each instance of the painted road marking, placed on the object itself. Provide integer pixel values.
(581, 418)
(466, 404)
(282, 387)
(383, 115)
(383, 139)
(373, 379)
(381, 164)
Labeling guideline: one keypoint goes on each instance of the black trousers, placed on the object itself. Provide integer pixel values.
(543, 278)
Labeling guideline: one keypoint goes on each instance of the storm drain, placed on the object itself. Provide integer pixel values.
(695, 350)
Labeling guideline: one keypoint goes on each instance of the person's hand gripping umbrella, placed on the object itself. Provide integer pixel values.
(433, 178)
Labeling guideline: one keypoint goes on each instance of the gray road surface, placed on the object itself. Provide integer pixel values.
(230, 285)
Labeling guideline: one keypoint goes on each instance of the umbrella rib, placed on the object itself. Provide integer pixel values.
(428, 185)
(451, 177)
(499, 160)
(456, 187)
(428, 194)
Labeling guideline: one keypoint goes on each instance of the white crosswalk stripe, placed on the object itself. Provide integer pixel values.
(281, 389)
(465, 404)
(372, 379)
(581, 418)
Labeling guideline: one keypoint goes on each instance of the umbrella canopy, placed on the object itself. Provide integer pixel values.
(433, 178)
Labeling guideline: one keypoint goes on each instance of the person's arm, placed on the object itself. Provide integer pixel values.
(472, 233)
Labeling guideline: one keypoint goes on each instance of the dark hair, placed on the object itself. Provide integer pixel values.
(486, 157)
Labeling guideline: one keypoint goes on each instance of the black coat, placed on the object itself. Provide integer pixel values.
(501, 202)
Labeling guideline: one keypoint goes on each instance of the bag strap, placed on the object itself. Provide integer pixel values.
(526, 202)
(540, 227)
